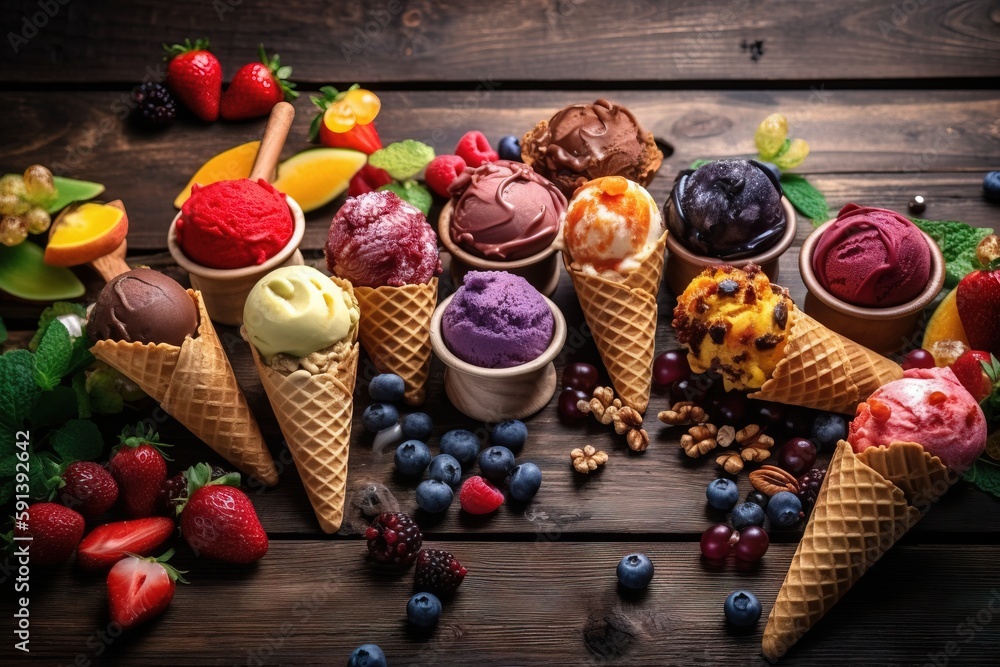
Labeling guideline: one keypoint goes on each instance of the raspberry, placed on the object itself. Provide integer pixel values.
(441, 172)
(394, 539)
(438, 572)
(475, 149)
(809, 484)
(478, 496)
(368, 180)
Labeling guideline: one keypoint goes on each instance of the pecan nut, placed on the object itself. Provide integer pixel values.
(770, 480)
(587, 459)
(638, 440)
(682, 413)
(626, 419)
(699, 440)
(731, 462)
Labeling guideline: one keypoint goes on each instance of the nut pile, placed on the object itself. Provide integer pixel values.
(609, 410)
(752, 444)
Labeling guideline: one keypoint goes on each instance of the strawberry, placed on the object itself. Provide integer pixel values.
(978, 299)
(360, 137)
(108, 544)
(256, 88)
(139, 468)
(88, 488)
(968, 368)
(478, 496)
(442, 172)
(141, 588)
(194, 75)
(368, 179)
(54, 530)
(475, 149)
(218, 520)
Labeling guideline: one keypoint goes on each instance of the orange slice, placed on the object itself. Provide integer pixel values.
(84, 232)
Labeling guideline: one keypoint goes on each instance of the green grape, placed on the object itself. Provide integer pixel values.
(12, 231)
(12, 184)
(37, 220)
(38, 183)
(9, 204)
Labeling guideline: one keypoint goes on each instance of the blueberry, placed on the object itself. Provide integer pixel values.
(379, 416)
(510, 434)
(746, 514)
(412, 457)
(828, 429)
(784, 509)
(509, 148)
(434, 496)
(991, 187)
(742, 609)
(462, 444)
(722, 493)
(446, 468)
(367, 655)
(524, 481)
(635, 571)
(758, 498)
(418, 426)
(387, 387)
(495, 463)
(423, 610)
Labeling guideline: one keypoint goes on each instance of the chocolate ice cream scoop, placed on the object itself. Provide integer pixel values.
(726, 209)
(143, 306)
(586, 141)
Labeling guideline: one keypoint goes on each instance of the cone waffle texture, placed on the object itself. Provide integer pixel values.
(923, 478)
(195, 384)
(622, 318)
(314, 413)
(823, 370)
(858, 516)
(396, 333)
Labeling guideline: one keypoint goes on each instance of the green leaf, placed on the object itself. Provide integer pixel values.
(18, 389)
(806, 199)
(69, 190)
(402, 160)
(54, 407)
(53, 356)
(3, 332)
(79, 386)
(24, 274)
(48, 315)
(77, 440)
(414, 193)
(958, 242)
(700, 163)
(42, 469)
(984, 475)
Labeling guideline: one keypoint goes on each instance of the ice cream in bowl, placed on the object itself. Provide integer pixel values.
(870, 274)
(503, 216)
(724, 212)
(497, 336)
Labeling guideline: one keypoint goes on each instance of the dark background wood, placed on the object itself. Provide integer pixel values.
(887, 117)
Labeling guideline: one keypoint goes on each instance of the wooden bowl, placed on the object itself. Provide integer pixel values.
(884, 330)
(541, 270)
(495, 394)
(683, 265)
(225, 290)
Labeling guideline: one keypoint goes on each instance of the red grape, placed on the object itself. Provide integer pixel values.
(717, 542)
(732, 408)
(797, 455)
(580, 376)
(766, 413)
(752, 545)
(567, 404)
(670, 367)
(693, 389)
(918, 358)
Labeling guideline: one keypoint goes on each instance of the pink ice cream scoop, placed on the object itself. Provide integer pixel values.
(928, 406)
(872, 257)
(377, 239)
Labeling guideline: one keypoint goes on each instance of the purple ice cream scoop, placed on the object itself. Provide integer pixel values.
(497, 320)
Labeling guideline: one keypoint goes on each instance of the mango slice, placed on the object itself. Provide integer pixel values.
(315, 177)
(226, 166)
(86, 231)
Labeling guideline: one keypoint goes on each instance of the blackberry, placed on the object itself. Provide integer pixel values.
(438, 572)
(809, 484)
(154, 104)
(394, 539)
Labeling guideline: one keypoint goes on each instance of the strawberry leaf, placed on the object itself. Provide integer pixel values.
(806, 199)
(77, 440)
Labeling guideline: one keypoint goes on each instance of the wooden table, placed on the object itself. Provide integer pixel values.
(888, 96)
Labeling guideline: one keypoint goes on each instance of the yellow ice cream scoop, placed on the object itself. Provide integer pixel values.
(296, 310)
(734, 322)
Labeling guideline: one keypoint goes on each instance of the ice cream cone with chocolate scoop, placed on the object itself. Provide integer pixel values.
(303, 329)
(908, 444)
(613, 244)
(737, 323)
(159, 335)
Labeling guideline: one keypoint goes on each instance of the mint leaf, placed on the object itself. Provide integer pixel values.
(806, 199)
(402, 160)
(54, 407)
(700, 163)
(958, 242)
(3, 332)
(984, 475)
(18, 389)
(79, 385)
(42, 468)
(77, 440)
(52, 357)
(414, 193)
(50, 314)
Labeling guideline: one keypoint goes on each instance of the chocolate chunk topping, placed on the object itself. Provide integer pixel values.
(781, 315)
(718, 332)
(768, 341)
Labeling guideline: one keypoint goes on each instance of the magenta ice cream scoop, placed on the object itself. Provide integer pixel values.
(497, 320)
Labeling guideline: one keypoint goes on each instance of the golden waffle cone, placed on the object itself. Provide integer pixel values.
(922, 477)
(622, 318)
(396, 333)
(195, 384)
(858, 517)
(314, 413)
(821, 369)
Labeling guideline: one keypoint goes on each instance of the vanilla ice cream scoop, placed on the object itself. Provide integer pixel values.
(296, 310)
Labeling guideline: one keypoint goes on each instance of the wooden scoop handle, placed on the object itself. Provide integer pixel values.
(280, 121)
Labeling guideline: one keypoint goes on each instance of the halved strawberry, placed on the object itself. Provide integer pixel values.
(361, 137)
(108, 544)
(141, 588)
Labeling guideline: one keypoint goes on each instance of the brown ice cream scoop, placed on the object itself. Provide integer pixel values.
(143, 306)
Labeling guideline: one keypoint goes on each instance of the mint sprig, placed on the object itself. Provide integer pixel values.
(18, 389)
(958, 242)
(806, 199)
(985, 475)
(402, 160)
(413, 193)
(53, 356)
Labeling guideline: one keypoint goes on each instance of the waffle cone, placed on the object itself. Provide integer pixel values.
(395, 331)
(195, 384)
(622, 318)
(823, 370)
(922, 477)
(859, 515)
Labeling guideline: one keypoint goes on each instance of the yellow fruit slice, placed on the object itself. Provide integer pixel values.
(315, 177)
(226, 166)
(944, 324)
(85, 232)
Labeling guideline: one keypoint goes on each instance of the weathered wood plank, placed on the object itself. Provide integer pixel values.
(527, 40)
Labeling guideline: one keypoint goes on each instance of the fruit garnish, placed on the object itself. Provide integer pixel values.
(315, 177)
(403, 160)
(944, 325)
(978, 298)
(475, 149)
(141, 588)
(109, 543)
(442, 172)
(226, 166)
(774, 146)
(343, 110)
(394, 539)
(139, 468)
(24, 274)
(84, 232)
(218, 520)
(958, 242)
(256, 88)
(194, 75)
